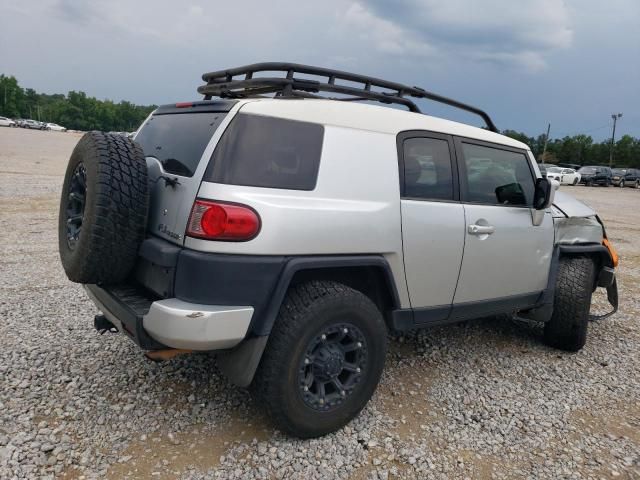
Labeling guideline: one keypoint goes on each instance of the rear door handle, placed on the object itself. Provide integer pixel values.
(481, 229)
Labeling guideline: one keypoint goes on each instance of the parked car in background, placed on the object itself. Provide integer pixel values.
(33, 124)
(626, 177)
(7, 122)
(55, 127)
(565, 176)
(596, 175)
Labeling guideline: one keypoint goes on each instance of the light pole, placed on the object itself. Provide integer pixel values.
(615, 117)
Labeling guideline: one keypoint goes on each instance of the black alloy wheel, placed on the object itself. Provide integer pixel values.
(75, 204)
(333, 364)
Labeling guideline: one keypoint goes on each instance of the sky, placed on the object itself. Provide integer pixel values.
(571, 63)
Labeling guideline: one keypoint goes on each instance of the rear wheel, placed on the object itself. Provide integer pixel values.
(567, 329)
(323, 360)
(637, 184)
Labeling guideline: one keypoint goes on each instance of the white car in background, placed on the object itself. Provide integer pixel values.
(7, 122)
(55, 127)
(565, 176)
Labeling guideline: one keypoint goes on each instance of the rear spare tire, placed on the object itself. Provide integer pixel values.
(103, 209)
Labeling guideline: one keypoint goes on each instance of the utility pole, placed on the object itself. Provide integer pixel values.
(546, 140)
(615, 117)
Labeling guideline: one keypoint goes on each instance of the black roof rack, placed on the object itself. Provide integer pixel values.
(222, 84)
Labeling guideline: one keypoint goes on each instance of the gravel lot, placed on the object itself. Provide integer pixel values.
(482, 399)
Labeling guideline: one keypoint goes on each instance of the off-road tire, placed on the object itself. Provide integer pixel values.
(567, 329)
(306, 312)
(114, 217)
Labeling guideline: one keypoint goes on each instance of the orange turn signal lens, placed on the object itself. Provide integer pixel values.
(612, 251)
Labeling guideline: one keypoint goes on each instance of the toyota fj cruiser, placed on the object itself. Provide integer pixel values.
(290, 234)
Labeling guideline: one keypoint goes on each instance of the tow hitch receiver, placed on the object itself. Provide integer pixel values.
(102, 325)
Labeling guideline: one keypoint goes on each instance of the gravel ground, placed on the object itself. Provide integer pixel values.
(482, 399)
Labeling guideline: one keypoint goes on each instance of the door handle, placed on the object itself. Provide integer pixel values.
(481, 229)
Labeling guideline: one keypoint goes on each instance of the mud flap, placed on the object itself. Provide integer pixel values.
(612, 296)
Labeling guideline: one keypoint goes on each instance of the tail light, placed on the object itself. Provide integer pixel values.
(212, 220)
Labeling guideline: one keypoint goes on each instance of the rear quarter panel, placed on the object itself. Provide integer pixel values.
(354, 209)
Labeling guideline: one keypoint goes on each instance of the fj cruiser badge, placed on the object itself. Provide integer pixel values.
(162, 228)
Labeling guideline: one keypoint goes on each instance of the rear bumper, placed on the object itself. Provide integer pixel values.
(157, 324)
(193, 326)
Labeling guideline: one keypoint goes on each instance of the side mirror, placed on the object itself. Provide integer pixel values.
(544, 193)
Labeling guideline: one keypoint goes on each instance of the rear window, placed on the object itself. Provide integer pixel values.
(258, 151)
(178, 140)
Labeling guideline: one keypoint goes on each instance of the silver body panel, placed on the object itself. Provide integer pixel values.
(513, 260)
(355, 207)
(571, 207)
(433, 240)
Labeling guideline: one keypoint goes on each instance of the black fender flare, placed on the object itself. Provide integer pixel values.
(240, 363)
(294, 265)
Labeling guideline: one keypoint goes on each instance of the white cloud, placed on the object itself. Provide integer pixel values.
(518, 33)
(383, 34)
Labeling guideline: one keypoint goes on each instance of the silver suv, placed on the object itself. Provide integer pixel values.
(291, 233)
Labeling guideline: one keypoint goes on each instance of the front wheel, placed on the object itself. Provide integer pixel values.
(323, 359)
(621, 185)
(567, 329)
(575, 182)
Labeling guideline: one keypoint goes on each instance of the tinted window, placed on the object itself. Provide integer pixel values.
(427, 169)
(268, 152)
(497, 176)
(178, 140)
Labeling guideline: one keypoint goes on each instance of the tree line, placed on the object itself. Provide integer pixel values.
(582, 150)
(77, 111)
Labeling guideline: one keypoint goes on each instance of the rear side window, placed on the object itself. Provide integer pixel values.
(427, 169)
(496, 176)
(178, 140)
(258, 151)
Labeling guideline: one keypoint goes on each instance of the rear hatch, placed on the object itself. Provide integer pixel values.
(178, 141)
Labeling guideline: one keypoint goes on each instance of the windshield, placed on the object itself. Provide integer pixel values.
(554, 170)
(178, 140)
(587, 170)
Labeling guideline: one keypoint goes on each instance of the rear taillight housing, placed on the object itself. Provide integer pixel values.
(212, 220)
